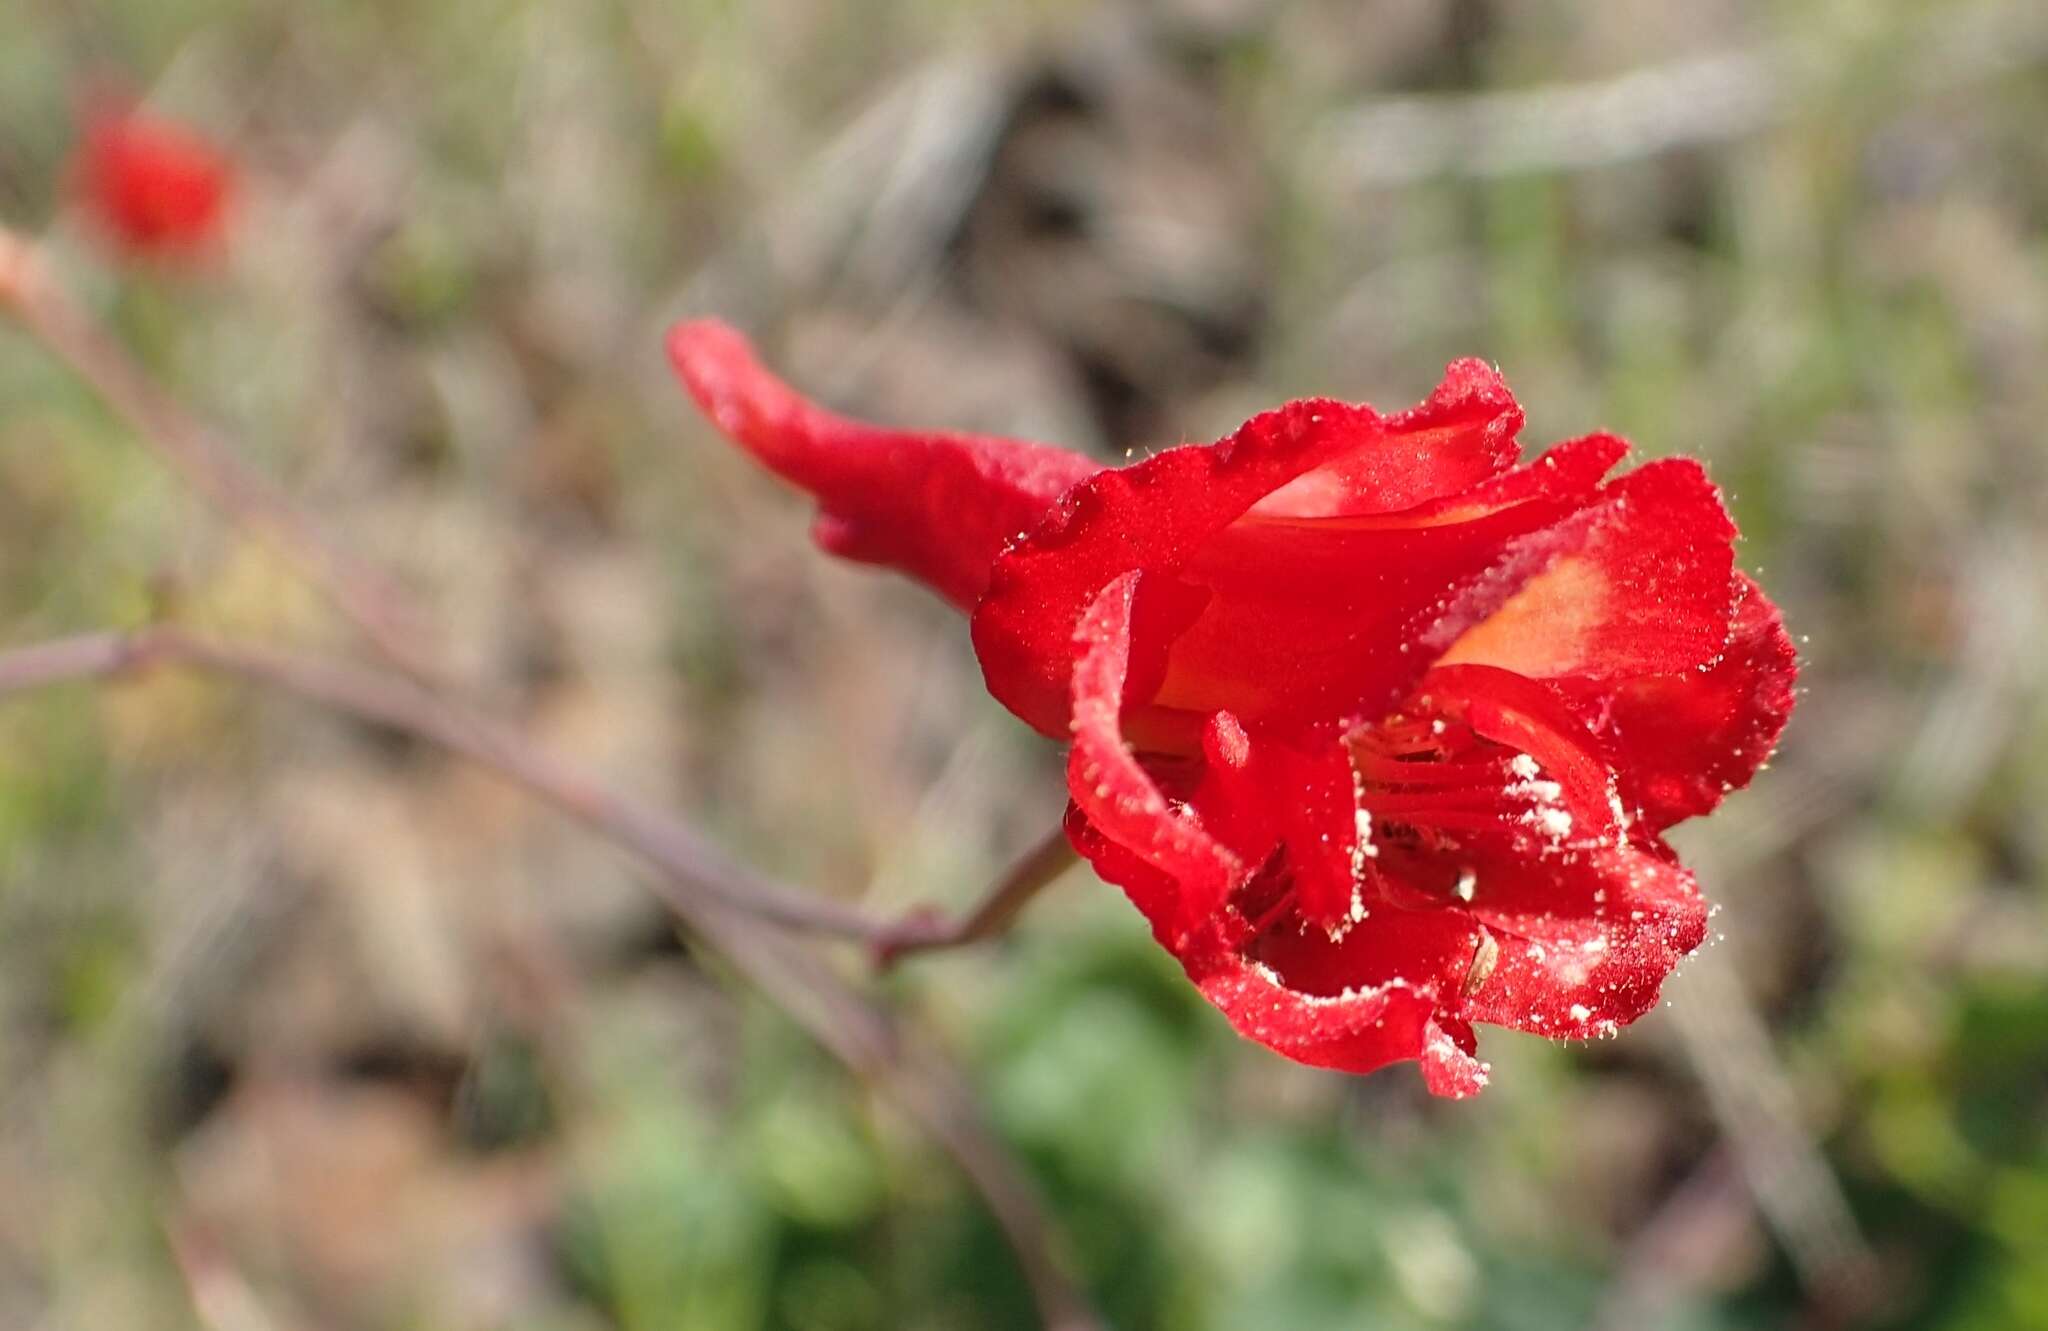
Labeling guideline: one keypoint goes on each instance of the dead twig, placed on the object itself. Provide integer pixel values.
(208, 463)
(926, 929)
(399, 704)
(721, 902)
(200, 457)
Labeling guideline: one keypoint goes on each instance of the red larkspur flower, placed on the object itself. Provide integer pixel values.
(157, 189)
(1379, 729)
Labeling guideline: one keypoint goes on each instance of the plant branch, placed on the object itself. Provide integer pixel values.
(724, 903)
(925, 929)
(640, 827)
(399, 704)
(207, 462)
(717, 899)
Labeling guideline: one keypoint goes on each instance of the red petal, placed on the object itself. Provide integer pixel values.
(937, 506)
(1118, 796)
(1312, 621)
(1358, 1031)
(1363, 1013)
(1584, 940)
(1683, 741)
(1450, 1063)
(1638, 586)
(1276, 618)
(1532, 718)
(1258, 795)
(1568, 946)
(156, 187)
(1430, 950)
(1155, 515)
(1151, 890)
(1464, 433)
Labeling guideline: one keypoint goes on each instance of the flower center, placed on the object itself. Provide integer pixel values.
(1437, 810)
(1435, 799)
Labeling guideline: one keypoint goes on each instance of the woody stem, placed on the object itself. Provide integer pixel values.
(724, 903)
(923, 931)
(207, 461)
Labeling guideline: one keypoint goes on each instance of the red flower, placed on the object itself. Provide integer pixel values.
(157, 189)
(1379, 729)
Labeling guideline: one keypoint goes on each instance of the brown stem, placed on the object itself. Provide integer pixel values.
(395, 702)
(925, 930)
(206, 461)
(723, 902)
(719, 900)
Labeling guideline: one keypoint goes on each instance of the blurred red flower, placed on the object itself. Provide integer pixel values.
(155, 188)
(1379, 729)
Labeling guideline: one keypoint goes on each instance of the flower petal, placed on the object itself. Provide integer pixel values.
(1450, 1063)
(1277, 618)
(1463, 433)
(1116, 795)
(1156, 515)
(1682, 741)
(1306, 621)
(1430, 950)
(1260, 795)
(1582, 942)
(937, 506)
(1353, 999)
(1357, 1031)
(157, 188)
(1149, 888)
(1639, 586)
(1531, 717)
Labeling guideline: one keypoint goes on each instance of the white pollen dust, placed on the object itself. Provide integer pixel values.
(1366, 849)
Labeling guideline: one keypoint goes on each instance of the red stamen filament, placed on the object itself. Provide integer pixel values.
(1383, 771)
(1450, 800)
(1452, 822)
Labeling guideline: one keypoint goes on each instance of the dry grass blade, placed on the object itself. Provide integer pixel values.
(1703, 99)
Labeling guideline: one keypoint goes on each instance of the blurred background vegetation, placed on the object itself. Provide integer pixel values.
(303, 1027)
